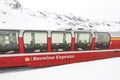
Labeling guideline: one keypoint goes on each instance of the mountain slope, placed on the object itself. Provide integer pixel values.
(14, 16)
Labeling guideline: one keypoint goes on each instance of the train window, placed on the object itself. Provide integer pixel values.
(35, 41)
(61, 41)
(9, 42)
(83, 41)
(102, 40)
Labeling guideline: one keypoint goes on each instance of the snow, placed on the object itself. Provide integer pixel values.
(107, 69)
(22, 18)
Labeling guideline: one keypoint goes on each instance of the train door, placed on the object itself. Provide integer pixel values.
(102, 40)
(83, 41)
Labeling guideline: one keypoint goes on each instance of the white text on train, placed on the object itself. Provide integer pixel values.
(53, 57)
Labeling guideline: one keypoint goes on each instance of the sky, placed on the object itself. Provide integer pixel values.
(91, 9)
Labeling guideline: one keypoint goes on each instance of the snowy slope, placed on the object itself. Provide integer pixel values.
(14, 16)
(107, 69)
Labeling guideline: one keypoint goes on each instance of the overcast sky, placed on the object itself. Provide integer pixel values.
(92, 9)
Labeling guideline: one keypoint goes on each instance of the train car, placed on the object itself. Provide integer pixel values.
(37, 48)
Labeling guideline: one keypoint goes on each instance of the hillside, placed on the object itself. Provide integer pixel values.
(14, 16)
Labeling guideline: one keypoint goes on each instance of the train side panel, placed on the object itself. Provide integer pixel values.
(53, 53)
(115, 40)
(60, 59)
(55, 58)
(12, 61)
(115, 43)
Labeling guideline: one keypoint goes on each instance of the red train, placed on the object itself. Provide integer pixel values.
(35, 48)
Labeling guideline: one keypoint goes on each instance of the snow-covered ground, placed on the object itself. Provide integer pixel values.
(107, 69)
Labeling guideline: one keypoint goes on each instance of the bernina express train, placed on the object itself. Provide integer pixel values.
(35, 48)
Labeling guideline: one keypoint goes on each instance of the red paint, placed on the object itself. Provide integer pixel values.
(114, 44)
(56, 59)
(21, 45)
(49, 44)
(93, 43)
(78, 57)
(73, 44)
(12, 61)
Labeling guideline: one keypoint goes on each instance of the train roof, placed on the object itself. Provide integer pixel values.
(114, 34)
